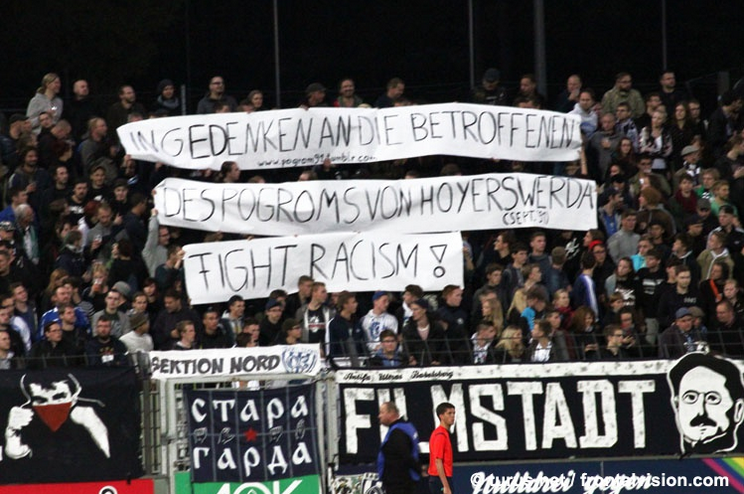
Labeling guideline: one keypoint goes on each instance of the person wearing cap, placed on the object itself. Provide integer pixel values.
(694, 228)
(393, 92)
(490, 92)
(424, 339)
(709, 220)
(690, 162)
(315, 95)
(98, 189)
(271, 325)
(138, 339)
(679, 338)
(698, 320)
(215, 94)
(377, 320)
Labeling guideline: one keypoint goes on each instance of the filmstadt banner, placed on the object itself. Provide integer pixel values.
(300, 359)
(478, 202)
(252, 436)
(299, 137)
(547, 411)
(343, 261)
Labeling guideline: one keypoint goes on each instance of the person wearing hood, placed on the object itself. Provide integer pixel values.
(167, 102)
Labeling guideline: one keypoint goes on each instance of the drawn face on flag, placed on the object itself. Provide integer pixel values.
(52, 404)
(708, 399)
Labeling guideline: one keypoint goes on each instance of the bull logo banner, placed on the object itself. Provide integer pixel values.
(69, 425)
(252, 436)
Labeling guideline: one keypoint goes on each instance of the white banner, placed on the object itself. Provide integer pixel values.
(427, 205)
(301, 359)
(298, 137)
(343, 261)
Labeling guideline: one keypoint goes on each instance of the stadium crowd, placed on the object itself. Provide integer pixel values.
(88, 274)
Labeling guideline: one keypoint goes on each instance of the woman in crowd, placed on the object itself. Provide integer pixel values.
(510, 348)
(424, 338)
(585, 331)
(656, 141)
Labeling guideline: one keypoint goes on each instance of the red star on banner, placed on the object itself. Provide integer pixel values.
(250, 435)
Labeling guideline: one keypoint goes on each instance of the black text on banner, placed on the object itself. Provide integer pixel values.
(297, 137)
(343, 261)
(478, 202)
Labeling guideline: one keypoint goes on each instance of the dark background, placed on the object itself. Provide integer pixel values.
(111, 42)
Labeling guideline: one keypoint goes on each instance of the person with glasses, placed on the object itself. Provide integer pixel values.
(215, 94)
(389, 354)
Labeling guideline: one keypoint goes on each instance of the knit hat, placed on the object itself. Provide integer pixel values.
(137, 319)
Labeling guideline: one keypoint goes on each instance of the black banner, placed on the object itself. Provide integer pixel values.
(65, 425)
(252, 436)
(542, 411)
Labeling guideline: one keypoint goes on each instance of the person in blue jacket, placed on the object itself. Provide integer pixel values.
(398, 460)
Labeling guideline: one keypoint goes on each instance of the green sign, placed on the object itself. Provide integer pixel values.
(299, 485)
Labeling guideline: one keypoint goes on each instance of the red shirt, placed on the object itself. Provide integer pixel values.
(440, 447)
